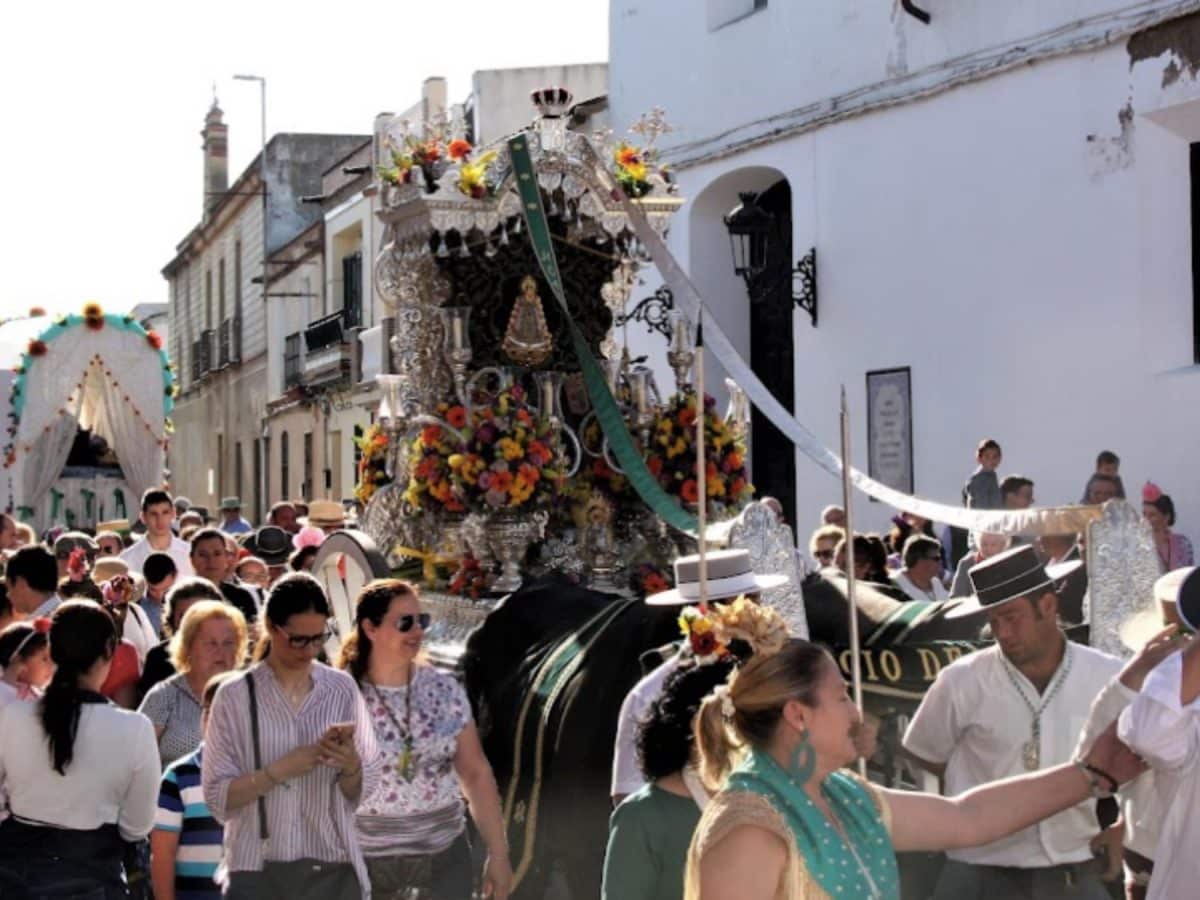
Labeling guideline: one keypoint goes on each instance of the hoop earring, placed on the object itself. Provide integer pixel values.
(802, 761)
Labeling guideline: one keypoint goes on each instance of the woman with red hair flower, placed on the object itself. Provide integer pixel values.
(1174, 550)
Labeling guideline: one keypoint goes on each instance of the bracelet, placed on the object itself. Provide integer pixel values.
(1100, 773)
(266, 770)
(350, 774)
(1093, 782)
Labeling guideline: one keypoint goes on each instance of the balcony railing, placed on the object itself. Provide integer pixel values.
(329, 356)
(224, 342)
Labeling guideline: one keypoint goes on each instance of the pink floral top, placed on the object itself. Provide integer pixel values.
(1179, 553)
(440, 711)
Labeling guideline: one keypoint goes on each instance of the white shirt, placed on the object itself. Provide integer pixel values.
(936, 594)
(180, 551)
(1164, 732)
(1140, 808)
(138, 631)
(627, 774)
(113, 777)
(973, 720)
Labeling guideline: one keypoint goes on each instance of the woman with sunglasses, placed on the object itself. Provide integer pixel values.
(413, 828)
(288, 755)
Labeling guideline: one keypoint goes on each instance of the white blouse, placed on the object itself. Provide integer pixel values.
(113, 777)
(1164, 732)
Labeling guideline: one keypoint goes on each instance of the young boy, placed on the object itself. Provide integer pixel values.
(1108, 467)
(982, 490)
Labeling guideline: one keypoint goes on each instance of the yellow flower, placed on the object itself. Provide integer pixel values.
(456, 460)
(510, 449)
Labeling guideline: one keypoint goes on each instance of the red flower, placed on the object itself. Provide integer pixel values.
(459, 149)
(456, 416)
(430, 435)
(95, 323)
(37, 348)
(154, 339)
(689, 492)
(655, 464)
(704, 644)
(687, 417)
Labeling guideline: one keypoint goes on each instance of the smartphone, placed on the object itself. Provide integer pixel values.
(341, 733)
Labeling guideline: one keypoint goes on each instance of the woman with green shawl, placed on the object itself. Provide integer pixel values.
(790, 823)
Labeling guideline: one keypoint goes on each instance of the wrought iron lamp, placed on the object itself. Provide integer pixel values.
(752, 230)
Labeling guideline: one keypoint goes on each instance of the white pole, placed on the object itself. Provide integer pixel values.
(851, 581)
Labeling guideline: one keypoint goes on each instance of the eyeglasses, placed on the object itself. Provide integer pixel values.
(406, 622)
(300, 641)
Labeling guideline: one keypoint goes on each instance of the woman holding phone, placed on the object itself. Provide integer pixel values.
(413, 827)
(289, 753)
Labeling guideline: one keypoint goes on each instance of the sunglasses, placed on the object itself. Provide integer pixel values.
(406, 622)
(300, 641)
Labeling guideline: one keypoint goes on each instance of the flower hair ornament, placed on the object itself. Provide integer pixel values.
(1151, 492)
(77, 565)
(742, 628)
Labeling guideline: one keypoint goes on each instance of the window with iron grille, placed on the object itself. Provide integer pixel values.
(291, 360)
(352, 291)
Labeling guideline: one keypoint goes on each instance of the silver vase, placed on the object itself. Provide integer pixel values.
(508, 537)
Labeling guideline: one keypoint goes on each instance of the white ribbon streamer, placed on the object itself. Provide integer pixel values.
(1047, 520)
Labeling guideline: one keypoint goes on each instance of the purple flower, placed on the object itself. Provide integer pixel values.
(485, 479)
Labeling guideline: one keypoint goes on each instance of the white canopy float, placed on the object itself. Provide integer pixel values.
(101, 372)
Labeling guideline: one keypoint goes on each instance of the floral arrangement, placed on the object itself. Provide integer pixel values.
(372, 465)
(672, 457)
(429, 485)
(431, 154)
(506, 459)
(633, 163)
(471, 579)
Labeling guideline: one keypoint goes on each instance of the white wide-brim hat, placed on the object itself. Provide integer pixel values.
(729, 575)
(1137, 629)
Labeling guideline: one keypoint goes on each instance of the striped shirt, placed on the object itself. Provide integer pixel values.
(181, 809)
(309, 817)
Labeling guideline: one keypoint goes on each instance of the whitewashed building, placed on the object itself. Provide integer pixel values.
(1001, 200)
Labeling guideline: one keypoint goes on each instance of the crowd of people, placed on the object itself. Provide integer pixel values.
(170, 726)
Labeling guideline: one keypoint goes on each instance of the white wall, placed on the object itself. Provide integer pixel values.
(501, 96)
(1015, 242)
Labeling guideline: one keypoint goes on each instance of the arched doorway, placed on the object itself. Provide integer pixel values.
(772, 354)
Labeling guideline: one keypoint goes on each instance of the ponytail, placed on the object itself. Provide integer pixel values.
(718, 747)
(81, 634)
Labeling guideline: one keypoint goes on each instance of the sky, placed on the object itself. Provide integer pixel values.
(102, 106)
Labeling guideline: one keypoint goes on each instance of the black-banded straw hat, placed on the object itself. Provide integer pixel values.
(729, 575)
(1009, 576)
(1180, 589)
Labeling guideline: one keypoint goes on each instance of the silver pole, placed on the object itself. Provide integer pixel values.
(701, 465)
(851, 581)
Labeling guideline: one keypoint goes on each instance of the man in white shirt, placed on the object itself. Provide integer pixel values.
(1016, 707)
(158, 512)
(921, 577)
(1162, 725)
(729, 576)
(32, 580)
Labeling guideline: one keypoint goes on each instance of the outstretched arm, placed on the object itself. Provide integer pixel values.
(989, 812)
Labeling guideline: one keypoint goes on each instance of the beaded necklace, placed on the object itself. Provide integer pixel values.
(404, 764)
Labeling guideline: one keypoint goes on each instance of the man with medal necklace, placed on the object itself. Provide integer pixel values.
(1016, 707)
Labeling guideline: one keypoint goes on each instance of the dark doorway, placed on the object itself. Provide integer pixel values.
(773, 457)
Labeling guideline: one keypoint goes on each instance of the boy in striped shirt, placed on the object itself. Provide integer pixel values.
(186, 843)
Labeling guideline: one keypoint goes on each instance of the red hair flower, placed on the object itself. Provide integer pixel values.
(37, 348)
(77, 567)
(41, 625)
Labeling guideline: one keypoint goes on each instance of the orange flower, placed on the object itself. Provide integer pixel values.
(734, 460)
(154, 339)
(502, 481)
(529, 473)
(459, 149)
(456, 416)
(689, 491)
(538, 453)
(739, 485)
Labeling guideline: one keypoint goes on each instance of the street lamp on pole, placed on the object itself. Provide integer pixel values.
(262, 177)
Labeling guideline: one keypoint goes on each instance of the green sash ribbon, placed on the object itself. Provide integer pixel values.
(608, 414)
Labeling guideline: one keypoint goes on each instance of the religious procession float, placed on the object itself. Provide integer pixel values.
(538, 482)
(86, 400)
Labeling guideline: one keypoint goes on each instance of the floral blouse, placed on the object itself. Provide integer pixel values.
(440, 712)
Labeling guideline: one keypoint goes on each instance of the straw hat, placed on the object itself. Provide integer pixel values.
(324, 514)
(1138, 628)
